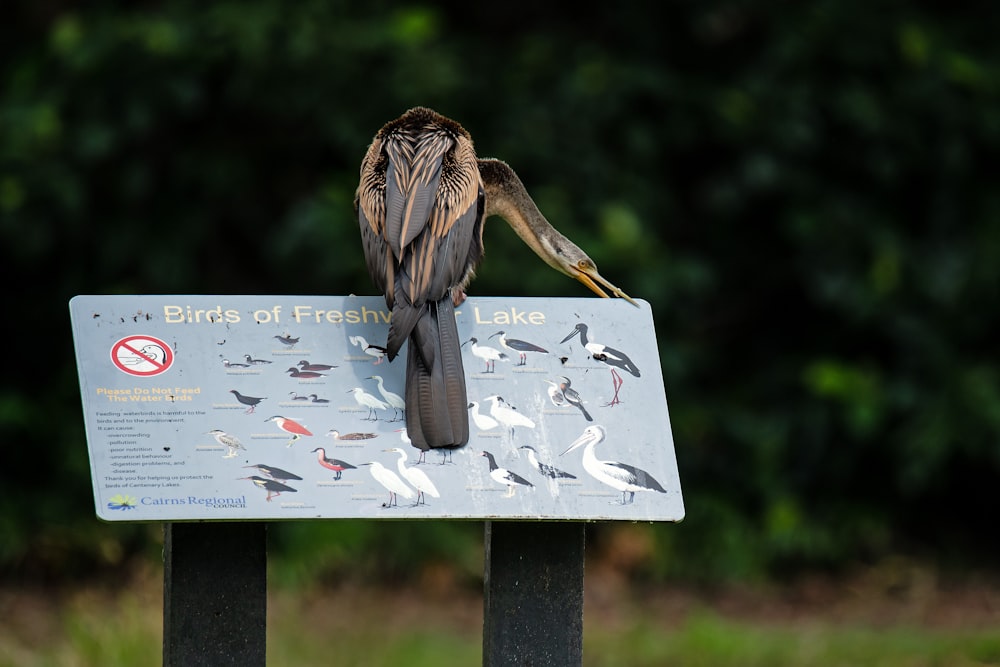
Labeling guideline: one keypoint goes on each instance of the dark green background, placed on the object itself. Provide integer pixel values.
(805, 192)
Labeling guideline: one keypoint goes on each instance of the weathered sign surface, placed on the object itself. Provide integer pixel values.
(282, 407)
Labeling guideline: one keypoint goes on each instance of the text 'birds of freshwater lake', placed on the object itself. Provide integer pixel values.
(285, 407)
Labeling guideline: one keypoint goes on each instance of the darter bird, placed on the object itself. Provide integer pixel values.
(421, 202)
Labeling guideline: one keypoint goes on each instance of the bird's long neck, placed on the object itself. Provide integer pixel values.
(507, 197)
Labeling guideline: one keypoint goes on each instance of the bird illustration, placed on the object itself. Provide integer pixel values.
(231, 442)
(572, 397)
(421, 203)
(555, 394)
(289, 426)
(250, 401)
(395, 401)
(366, 400)
(287, 340)
(306, 366)
(416, 478)
(520, 346)
(503, 476)
(482, 422)
(316, 399)
(274, 473)
(230, 364)
(391, 481)
(608, 355)
(506, 414)
(255, 362)
(377, 352)
(297, 397)
(336, 465)
(488, 354)
(304, 375)
(621, 476)
(337, 435)
(273, 487)
(544, 468)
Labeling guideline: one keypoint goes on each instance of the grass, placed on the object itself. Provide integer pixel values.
(439, 623)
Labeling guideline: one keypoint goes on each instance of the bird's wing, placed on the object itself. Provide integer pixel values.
(631, 475)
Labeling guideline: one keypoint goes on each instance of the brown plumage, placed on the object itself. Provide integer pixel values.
(421, 204)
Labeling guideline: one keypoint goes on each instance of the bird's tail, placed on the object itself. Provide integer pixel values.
(586, 415)
(436, 403)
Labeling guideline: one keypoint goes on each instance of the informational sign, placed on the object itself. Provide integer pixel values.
(285, 407)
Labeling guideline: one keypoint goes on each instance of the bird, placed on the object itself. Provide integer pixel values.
(306, 366)
(250, 401)
(572, 397)
(316, 399)
(421, 202)
(416, 478)
(395, 401)
(289, 426)
(506, 414)
(337, 435)
(336, 465)
(273, 487)
(488, 354)
(287, 340)
(229, 441)
(621, 476)
(391, 481)
(366, 400)
(375, 351)
(304, 375)
(503, 476)
(297, 397)
(482, 422)
(555, 394)
(544, 468)
(230, 364)
(274, 473)
(522, 347)
(608, 355)
(255, 362)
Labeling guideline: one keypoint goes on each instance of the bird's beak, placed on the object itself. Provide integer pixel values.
(496, 334)
(595, 281)
(579, 442)
(575, 332)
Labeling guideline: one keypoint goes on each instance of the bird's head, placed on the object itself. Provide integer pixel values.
(591, 435)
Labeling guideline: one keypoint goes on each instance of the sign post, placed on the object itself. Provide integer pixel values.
(237, 410)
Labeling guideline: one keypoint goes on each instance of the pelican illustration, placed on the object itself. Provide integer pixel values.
(622, 476)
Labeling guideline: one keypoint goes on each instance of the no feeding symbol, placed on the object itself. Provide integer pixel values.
(141, 356)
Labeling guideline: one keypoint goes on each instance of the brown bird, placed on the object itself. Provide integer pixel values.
(421, 204)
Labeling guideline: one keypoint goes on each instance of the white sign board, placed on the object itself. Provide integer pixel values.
(282, 407)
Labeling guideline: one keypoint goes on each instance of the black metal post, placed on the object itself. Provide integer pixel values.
(214, 594)
(533, 597)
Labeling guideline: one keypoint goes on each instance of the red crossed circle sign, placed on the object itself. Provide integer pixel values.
(142, 356)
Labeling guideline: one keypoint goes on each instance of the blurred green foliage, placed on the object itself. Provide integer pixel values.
(803, 191)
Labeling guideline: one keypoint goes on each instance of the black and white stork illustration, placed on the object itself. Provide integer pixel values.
(522, 347)
(621, 476)
(616, 359)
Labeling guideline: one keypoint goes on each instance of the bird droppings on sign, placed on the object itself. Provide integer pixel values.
(569, 413)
